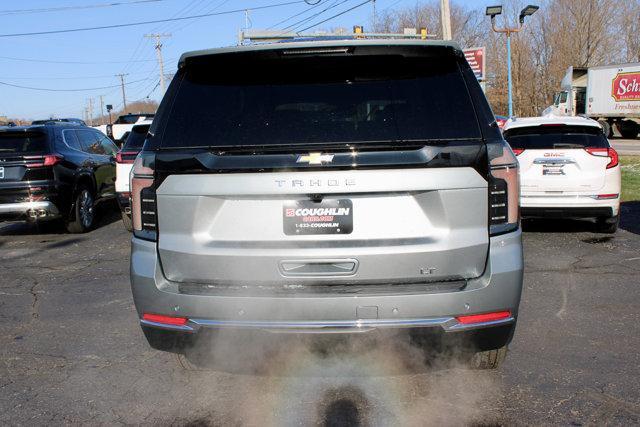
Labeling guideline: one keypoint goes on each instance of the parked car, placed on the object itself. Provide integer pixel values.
(332, 192)
(54, 121)
(567, 169)
(124, 162)
(119, 130)
(55, 171)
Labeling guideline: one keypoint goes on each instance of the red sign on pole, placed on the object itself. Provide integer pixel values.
(626, 87)
(476, 58)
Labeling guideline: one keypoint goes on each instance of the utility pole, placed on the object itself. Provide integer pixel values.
(445, 17)
(159, 54)
(101, 109)
(124, 97)
(373, 5)
(90, 111)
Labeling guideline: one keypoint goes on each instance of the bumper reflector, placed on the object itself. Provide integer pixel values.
(607, 196)
(483, 318)
(167, 320)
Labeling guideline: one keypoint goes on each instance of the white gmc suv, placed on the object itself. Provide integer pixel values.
(567, 169)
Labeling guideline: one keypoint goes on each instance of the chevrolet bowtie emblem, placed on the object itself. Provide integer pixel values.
(315, 158)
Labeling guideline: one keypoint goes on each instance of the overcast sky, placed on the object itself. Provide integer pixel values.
(90, 59)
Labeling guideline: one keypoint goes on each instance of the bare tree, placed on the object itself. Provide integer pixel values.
(580, 33)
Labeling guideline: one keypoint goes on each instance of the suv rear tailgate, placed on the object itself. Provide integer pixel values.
(416, 225)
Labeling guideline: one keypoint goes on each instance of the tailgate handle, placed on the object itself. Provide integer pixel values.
(318, 267)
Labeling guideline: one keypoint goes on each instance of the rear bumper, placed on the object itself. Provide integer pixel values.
(566, 212)
(29, 210)
(499, 288)
(580, 206)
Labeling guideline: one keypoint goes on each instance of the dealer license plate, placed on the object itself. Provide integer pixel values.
(324, 217)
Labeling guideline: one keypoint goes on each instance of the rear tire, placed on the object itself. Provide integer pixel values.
(607, 225)
(606, 128)
(490, 359)
(83, 213)
(126, 220)
(628, 129)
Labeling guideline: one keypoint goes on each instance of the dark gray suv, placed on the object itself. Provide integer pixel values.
(328, 186)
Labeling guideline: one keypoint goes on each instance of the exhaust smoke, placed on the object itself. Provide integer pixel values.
(333, 380)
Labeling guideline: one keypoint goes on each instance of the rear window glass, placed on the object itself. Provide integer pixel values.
(315, 100)
(550, 137)
(136, 138)
(23, 142)
(131, 119)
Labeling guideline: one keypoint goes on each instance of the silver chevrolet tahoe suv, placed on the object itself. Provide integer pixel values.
(334, 186)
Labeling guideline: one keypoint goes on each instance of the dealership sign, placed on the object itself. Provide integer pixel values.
(476, 58)
(626, 87)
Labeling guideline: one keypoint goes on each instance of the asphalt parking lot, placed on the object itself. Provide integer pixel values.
(72, 351)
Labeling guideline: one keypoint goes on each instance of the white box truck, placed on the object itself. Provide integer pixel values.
(609, 94)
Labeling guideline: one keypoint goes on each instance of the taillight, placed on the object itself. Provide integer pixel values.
(41, 161)
(606, 196)
(126, 156)
(504, 189)
(143, 198)
(605, 152)
(517, 151)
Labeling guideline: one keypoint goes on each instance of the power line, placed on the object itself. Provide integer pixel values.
(72, 62)
(156, 21)
(180, 28)
(66, 90)
(298, 24)
(336, 15)
(68, 77)
(293, 16)
(152, 90)
(65, 8)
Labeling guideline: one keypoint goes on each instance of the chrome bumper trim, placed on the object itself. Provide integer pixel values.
(448, 324)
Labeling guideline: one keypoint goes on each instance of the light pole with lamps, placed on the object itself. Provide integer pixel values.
(494, 11)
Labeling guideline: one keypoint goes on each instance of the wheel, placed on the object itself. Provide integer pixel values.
(628, 129)
(607, 225)
(84, 212)
(606, 128)
(126, 220)
(490, 359)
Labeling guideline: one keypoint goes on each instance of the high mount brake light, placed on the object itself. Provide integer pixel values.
(143, 198)
(504, 189)
(47, 160)
(605, 152)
